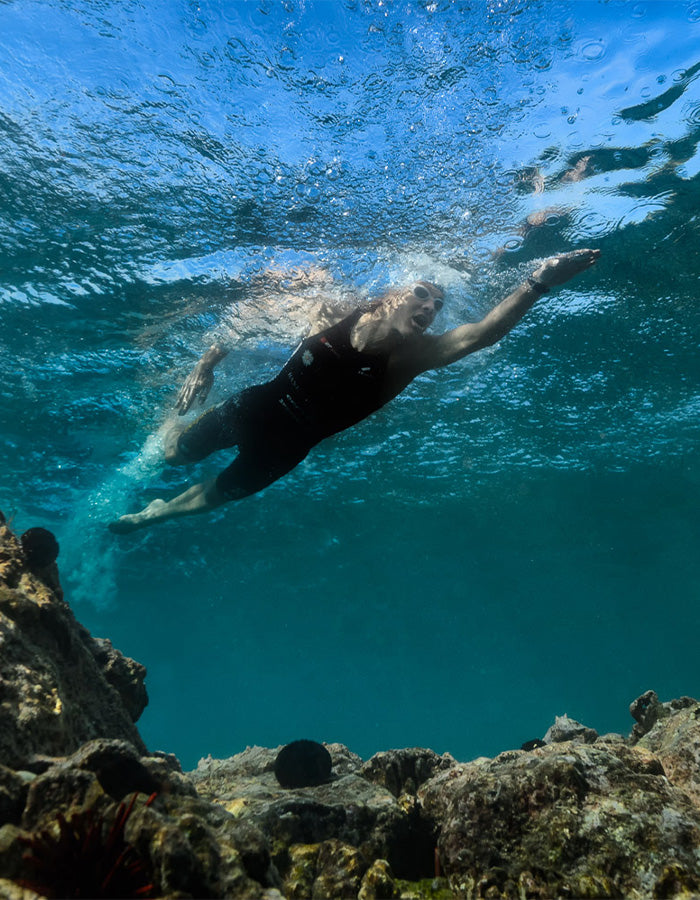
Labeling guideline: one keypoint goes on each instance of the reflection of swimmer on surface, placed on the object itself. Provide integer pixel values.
(283, 301)
(577, 173)
(533, 181)
(336, 377)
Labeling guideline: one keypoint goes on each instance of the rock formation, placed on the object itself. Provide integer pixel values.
(59, 687)
(87, 810)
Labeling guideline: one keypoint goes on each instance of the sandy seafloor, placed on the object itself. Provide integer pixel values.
(513, 538)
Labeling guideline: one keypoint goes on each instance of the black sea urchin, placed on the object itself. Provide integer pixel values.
(303, 764)
(87, 858)
(40, 547)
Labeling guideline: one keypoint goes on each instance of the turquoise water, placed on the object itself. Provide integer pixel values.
(514, 537)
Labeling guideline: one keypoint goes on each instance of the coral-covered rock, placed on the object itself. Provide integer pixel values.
(566, 729)
(11, 891)
(339, 870)
(59, 789)
(13, 794)
(73, 833)
(84, 807)
(57, 685)
(117, 766)
(404, 771)
(378, 882)
(674, 739)
(646, 710)
(124, 674)
(349, 810)
(568, 819)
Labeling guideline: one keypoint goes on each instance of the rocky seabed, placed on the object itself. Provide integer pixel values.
(87, 811)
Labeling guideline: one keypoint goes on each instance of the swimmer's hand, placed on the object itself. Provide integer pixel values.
(558, 269)
(198, 383)
(197, 386)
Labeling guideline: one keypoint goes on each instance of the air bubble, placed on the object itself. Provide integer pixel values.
(592, 224)
(513, 244)
(593, 50)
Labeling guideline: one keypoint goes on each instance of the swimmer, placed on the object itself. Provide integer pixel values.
(335, 378)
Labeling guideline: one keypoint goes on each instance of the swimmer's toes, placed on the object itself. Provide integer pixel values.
(123, 525)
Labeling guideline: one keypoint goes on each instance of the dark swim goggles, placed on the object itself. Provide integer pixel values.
(422, 292)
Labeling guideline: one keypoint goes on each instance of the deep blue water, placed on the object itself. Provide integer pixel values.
(514, 537)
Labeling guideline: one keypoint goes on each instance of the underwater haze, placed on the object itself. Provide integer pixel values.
(514, 537)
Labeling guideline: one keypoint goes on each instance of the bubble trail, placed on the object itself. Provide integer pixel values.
(92, 558)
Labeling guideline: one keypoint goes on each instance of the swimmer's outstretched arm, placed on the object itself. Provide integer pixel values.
(459, 342)
(199, 498)
(198, 383)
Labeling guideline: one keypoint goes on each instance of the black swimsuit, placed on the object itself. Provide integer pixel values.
(326, 386)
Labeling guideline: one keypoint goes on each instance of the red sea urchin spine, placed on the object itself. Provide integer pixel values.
(135, 867)
(82, 862)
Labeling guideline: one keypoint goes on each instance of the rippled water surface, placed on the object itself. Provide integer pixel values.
(513, 537)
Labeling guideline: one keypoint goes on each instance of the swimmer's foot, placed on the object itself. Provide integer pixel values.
(124, 525)
(152, 513)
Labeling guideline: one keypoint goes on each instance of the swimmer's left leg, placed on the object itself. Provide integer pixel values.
(199, 498)
(249, 473)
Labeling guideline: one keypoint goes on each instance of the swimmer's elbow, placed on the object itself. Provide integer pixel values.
(488, 339)
(460, 342)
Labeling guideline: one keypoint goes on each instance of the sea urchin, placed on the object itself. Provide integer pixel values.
(88, 858)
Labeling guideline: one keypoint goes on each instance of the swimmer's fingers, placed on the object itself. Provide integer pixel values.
(184, 397)
(196, 387)
(559, 269)
(204, 385)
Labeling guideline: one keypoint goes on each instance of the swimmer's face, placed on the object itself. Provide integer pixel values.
(415, 308)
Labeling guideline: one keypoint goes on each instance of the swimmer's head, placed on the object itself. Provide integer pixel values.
(412, 310)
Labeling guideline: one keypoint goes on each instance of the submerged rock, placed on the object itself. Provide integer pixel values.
(674, 739)
(404, 771)
(646, 710)
(58, 684)
(566, 729)
(310, 829)
(75, 838)
(575, 815)
(568, 819)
